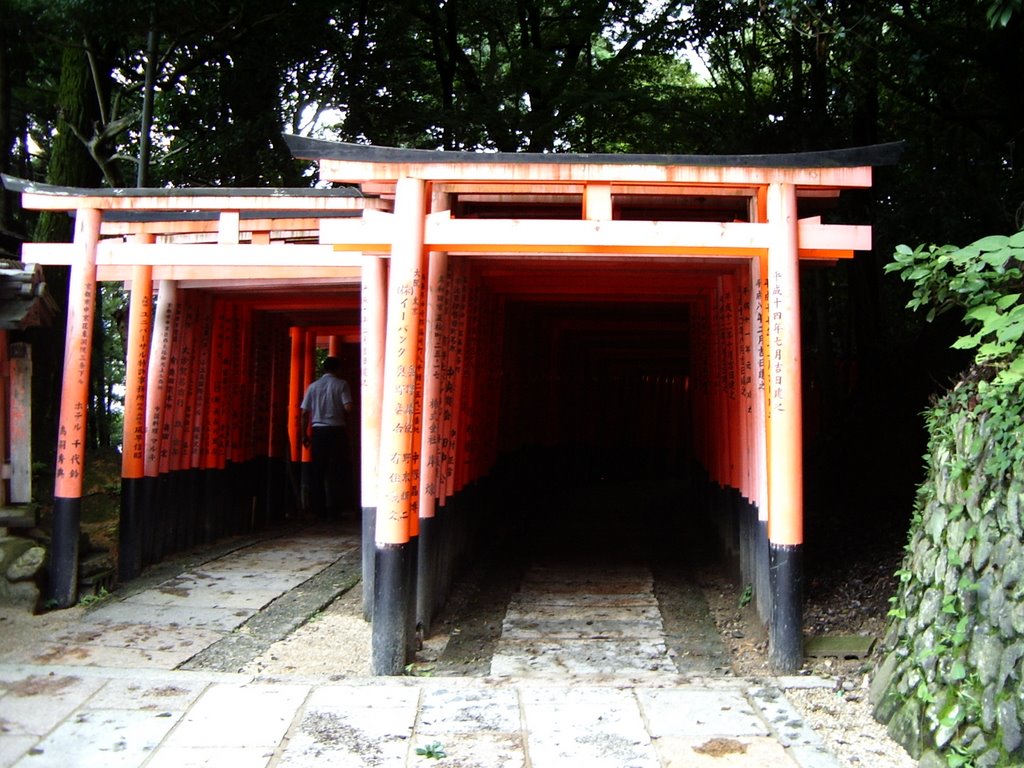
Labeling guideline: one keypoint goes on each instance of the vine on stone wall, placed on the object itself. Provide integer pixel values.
(950, 687)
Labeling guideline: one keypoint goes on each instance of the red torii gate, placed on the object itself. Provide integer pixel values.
(425, 255)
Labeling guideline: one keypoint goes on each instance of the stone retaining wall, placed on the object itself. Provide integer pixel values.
(22, 564)
(949, 687)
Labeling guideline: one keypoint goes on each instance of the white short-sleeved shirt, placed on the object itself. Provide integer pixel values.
(325, 400)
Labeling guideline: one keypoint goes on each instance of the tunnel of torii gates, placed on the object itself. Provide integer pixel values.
(479, 296)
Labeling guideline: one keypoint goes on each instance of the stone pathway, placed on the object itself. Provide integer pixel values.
(115, 690)
(583, 620)
(216, 614)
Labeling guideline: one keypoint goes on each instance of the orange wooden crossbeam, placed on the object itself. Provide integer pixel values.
(41, 197)
(440, 170)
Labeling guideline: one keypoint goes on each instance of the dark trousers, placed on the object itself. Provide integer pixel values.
(330, 483)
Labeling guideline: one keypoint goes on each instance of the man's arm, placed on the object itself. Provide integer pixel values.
(305, 427)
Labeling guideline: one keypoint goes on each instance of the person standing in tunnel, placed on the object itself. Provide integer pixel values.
(324, 406)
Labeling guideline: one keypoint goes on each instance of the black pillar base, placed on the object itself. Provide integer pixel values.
(369, 551)
(129, 535)
(785, 633)
(412, 639)
(390, 609)
(762, 573)
(426, 574)
(147, 501)
(67, 515)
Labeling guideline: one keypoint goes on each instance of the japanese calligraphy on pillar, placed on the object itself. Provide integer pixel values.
(203, 338)
(400, 486)
(727, 329)
(776, 325)
(470, 372)
(159, 365)
(177, 382)
(78, 345)
(215, 443)
(760, 307)
(452, 388)
(139, 326)
(263, 365)
(437, 297)
(747, 375)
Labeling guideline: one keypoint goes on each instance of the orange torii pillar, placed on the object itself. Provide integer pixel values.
(297, 339)
(133, 441)
(277, 431)
(785, 445)
(71, 431)
(199, 424)
(434, 358)
(396, 476)
(308, 377)
(372, 327)
(178, 393)
(205, 439)
(757, 443)
(153, 517)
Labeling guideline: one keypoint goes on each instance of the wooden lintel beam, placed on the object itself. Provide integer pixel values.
(278, 226)
(475, 236)
(698, 238)
(221, 276)
(43, 201)
(116, 252)
(439, 171)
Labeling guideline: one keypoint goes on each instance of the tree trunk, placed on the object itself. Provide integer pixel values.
(69, 165)
(6, 132)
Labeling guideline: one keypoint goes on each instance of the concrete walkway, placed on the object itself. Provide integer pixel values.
(138, 683)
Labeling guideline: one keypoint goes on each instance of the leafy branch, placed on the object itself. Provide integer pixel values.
(986, 280)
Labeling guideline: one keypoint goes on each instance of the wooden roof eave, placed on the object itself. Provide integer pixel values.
(356, 163)
(39, 196)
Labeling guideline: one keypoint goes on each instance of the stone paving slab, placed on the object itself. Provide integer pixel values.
(118, 645)
(586, 725)
(564, 611)
(100, 656)
(36, 703)
(136, 611)
(457, 710)
(580, 657)
(174, 694)
(526, 628)
(239, 716)
(101, 738)
(568, 599)
(679, 712)
(185, 592)
(211, 757)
